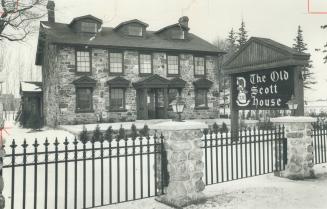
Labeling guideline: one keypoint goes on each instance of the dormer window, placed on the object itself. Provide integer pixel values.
(178, 34)
(88, 27)
(134, 30)
(85, 24)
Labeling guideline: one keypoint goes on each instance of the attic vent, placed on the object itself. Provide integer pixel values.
(88, 27)
(134, 30)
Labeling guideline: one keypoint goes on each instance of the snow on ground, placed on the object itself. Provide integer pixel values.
(264, 192)
(76, 129)
(19, 134)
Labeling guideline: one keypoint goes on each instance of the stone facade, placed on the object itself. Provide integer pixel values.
(299, 147)
(59, 97)
(185, 165)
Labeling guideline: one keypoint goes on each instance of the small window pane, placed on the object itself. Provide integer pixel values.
(134, 30)
(116, 62)
(173, 65)
(84, 99)
(145, 64)
(89, 27)
(201, 98)
(117, 99)
(199, 66)
(83, 61)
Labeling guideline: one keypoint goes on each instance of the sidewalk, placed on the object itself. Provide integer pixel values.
(262, 192)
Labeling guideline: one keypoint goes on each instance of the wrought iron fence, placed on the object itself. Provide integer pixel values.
(319, 133)
(75, 174)
(248, 152)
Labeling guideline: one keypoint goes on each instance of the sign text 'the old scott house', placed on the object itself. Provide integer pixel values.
(267, 89)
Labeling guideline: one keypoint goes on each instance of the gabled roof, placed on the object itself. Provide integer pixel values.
(172, 26)
(85, 81)
(85, 17)
(59, 33)
(177, 83)
(153, 81)
(263, 53)
(202, 83)
(118, 82)
(131, 21)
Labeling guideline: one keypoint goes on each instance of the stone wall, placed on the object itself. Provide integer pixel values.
(59, 91)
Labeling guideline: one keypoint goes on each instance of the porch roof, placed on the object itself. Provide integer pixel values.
(153, 81)
(30, 87)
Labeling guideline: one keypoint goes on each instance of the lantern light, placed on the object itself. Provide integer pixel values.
(178, 107)
(292, 104)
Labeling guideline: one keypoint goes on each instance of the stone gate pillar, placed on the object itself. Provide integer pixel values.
(299, 147)
(182, 142)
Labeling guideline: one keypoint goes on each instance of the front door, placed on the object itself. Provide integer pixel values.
(156, 103)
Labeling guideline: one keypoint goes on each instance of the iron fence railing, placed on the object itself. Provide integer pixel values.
(319, 133)
(75, 174)
(254, 152)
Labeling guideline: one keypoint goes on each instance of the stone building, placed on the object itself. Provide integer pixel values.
(93, 73)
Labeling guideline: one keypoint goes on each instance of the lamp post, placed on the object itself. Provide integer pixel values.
(178, 107)
(292, 105)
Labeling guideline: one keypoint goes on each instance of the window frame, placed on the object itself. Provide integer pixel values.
(174, 37)
(204, 65)
(135, 26)
(111, 109)
(197, 107)
(95, 24)
(78, 110)
(178, 65)
(139, 60)
(90, 61)
(122, 62)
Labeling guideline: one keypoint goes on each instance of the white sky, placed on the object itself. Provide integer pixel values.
(209, 19)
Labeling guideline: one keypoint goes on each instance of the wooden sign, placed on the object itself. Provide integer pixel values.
(264, 89)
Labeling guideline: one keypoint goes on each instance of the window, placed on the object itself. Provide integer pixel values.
(134, 30)
(116, 63)
(89, 27)
(199, 67)
(201, 98)
(178, 34)
(83, 61)
(145, 64)
(173, 65)
(117, 99)
(84, 99)
(173, 94)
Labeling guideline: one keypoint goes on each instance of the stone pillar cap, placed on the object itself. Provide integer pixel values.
(175, 126)
(293, 119)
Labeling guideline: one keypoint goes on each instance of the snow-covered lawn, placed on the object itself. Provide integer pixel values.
(264, 192)
(19, 134)
(76, 129)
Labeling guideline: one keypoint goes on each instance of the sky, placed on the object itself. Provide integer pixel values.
(209, 19)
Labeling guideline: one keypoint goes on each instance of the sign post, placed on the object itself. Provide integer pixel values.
(265, 75)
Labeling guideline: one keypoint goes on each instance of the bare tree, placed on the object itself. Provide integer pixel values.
(17, 18)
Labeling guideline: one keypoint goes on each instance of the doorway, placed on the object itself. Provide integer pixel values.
(156, 103)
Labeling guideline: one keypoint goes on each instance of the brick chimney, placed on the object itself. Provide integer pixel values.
(183, 21)
(51, 11)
